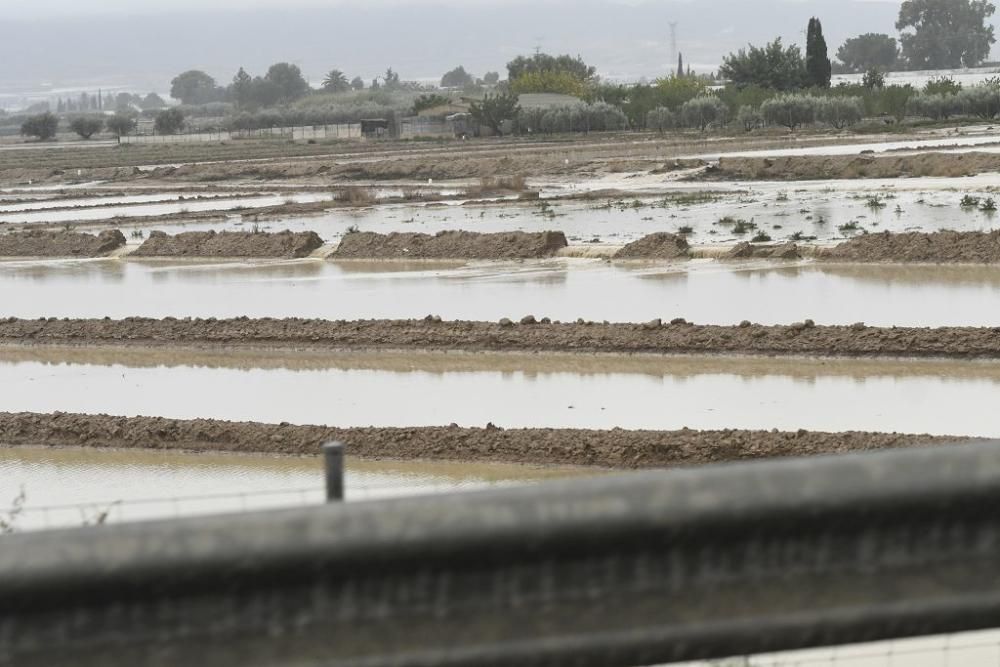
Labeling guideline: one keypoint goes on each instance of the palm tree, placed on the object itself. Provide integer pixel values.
(336, 82)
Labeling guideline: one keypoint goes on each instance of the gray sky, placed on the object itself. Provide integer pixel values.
(141, 45)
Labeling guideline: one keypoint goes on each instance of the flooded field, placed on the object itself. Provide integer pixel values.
(702, 291)
(824, 211)
(68, 487)
(938, 399)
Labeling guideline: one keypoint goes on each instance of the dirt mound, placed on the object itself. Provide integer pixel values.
(818, 167)
(531, 335)
(612, 449)
(450, 245)
(972, 247)
(661, 245)
(230, 244)
(37, 243)
(746, 250)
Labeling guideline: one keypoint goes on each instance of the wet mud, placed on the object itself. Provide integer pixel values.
(609, 449)
(230, 244)
(934, 247)
(450, 245)
(37, 243)
(527, 335)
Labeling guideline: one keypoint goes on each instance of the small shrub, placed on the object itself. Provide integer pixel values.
(760, 237)
(968, 201)
(684, 230)
(875, 203)
(989, 205)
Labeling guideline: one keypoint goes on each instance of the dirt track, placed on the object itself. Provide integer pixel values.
(229, 244)
(450, 245)
(655, 337)
(938, 247)
(36, 243)
(803, 168)
(612, 449)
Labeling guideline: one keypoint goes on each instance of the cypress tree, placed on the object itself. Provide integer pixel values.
(680, 65)
(818, 67)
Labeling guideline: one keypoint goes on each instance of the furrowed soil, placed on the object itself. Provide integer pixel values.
(655, 337)
(450, 245)
(610, 449)
(230, 244)
(37, 243)
(934, 247)
(807, 168)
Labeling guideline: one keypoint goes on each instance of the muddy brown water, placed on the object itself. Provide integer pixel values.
(68, 487)
(702, 291)
(939, 398)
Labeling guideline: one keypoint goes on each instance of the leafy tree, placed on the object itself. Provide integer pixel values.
(195, 87)
(491, 78)
(945, 34)
(543, 62)
(839, 111)
(121, 124)
(494, 110)
(357, 83)
(288, 80)
(818, 67)
(152, 101)
(390, 79)
(674, 91)
(704, 111)
(862, 53)
(43, 126)
(429, 102)
(87, 126)
(942, 85)
(241, 90)
(789, 110)
(264, 92)
(873, 79)
(457, 78)
(550, 81)
(336, 82)
(169, 121)
(771, 66)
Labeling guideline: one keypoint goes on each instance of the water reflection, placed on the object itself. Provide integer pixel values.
(940, 400)
(706, 292)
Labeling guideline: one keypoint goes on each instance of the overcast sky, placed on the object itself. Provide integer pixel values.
(141, 44)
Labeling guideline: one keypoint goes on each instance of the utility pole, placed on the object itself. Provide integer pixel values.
(673, 41)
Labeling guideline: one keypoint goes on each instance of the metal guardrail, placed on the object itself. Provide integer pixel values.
(625, 570)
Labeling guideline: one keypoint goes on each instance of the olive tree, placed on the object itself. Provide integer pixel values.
(660, 119)
(789, 110)
(839, 112)
(704, 111)
(936, 106)
(169, 122)
(87, 126)
(121, 124)
(42, 126)
(749, 118)
(980, 101)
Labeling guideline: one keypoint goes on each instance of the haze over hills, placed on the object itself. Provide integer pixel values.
(119, 44)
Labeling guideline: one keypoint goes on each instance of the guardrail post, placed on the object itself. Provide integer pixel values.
(333, 461)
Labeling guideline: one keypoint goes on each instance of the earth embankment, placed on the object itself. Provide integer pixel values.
(609, 449)
(230, 244)
(450, 245)
(676, 337)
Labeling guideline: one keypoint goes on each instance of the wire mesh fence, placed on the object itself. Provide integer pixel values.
(302, 132)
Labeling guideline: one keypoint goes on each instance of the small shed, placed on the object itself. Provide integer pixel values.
(374, 128)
